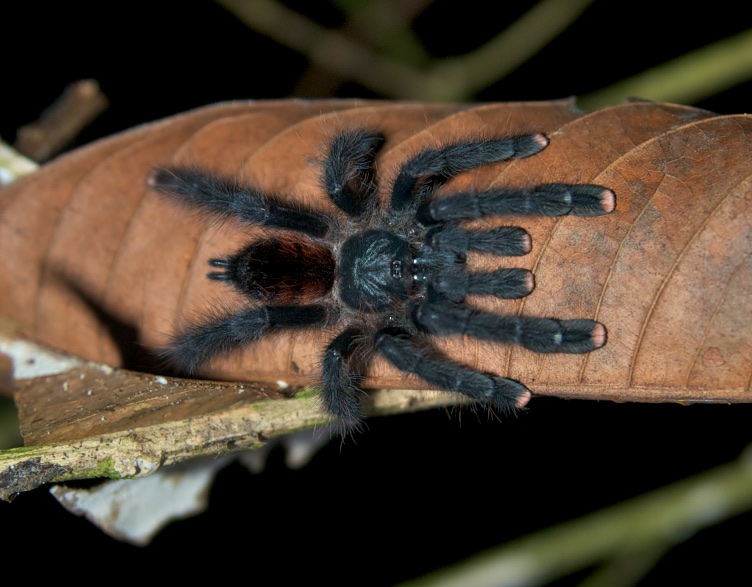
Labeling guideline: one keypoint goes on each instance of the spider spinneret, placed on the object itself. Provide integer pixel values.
(387, 279)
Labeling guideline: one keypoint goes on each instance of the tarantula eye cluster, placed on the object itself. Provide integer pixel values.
(387, 281)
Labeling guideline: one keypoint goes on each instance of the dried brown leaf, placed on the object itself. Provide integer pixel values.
(97, 265)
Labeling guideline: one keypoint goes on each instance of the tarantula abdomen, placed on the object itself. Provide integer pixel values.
(278, 270)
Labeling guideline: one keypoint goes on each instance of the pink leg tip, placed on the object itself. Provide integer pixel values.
(608, 201)
(541, 139)
(599, 336)
(530, 281)
(524, 398)
(527, 243)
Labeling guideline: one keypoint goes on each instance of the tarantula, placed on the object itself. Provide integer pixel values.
(386, 279)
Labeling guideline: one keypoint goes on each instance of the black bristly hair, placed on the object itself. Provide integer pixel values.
(387, 280)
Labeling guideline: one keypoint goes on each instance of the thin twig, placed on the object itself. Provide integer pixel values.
(326, 48)
(452, 79)
(80, 104)
(385, 24)
(657, 520)
(686, 79)
(460, 78)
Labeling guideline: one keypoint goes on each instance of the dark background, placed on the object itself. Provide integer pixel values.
(415, 492)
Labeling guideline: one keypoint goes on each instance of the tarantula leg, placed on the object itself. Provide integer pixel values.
(201, 343)
(225, 198)
(430, 168)
(349, 170)
(509, 241)
(340, 388)
(543, 335)
(552, 199)
(400, 350)
(456, 284)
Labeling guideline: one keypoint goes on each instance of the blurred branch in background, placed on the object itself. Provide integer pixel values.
(686, 79)
(80, 104)
(627, 538)
(387, 71)
(328, 49)
(385, 25)
(377, 49)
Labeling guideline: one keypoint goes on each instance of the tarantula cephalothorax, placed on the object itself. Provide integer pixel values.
(385, 279)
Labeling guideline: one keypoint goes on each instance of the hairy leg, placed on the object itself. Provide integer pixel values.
(401, 350)
(349, 175)
(420, 176)
(200, 343)
(543, 335)
(226, 198)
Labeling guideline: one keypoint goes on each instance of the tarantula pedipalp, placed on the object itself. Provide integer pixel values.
(386, 278)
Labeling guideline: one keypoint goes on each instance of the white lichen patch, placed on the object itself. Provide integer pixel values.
(31, 360)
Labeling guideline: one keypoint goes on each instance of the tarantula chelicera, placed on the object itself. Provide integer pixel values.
(386, 278)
